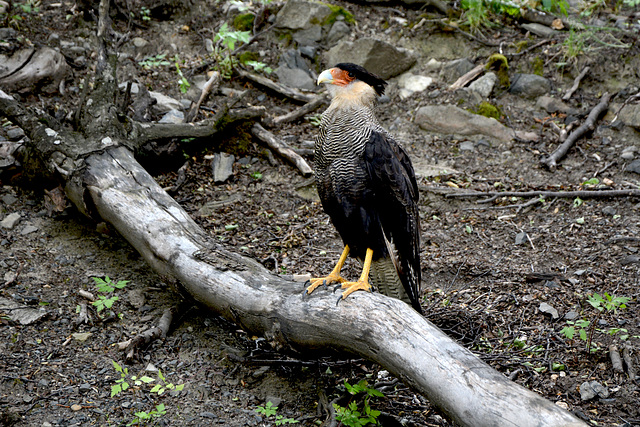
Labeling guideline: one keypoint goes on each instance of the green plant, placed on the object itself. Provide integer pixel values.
(183, 82)
(154, 61)
(603, 304)
(145, 13)
(29, 6)
(353, 415)
(269, 411)
(143, 416)
(256, 175)
(126, 381)
(224, 55)
(107, 286)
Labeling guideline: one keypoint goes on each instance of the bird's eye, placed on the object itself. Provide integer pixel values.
(350, 74)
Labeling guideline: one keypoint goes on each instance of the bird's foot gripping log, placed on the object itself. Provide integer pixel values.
(333, 277)
(362, 284)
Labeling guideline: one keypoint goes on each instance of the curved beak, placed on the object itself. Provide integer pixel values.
(326, 77)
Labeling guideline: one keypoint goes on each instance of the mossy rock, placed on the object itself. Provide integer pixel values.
(338, 11)
(244, 22)
(499, 64)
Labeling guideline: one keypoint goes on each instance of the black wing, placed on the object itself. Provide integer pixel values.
(396, 199)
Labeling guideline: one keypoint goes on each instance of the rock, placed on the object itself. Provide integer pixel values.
(633, 167)
(15, 134)
(554, 105)
(609, 210)
(591, 389)
(8, 199)
(484, 85)
(81, 336)
(467, 146)
(338, 31)
(448, 119)
(377, 56)
(172, 116)
(571, 315)
(139, 42)
(222, 167)
(411, 83)
(164, 102)
(301, 14)
(546, 308)
(275, 401)
(529, 85)
(521, 238)
(310, 36)
(10, 221)
(136, 298)
(28, 229)
(454, 69)
(539, 29)
(630, 115)
(294, 70)
(19, 314)
(75, 407)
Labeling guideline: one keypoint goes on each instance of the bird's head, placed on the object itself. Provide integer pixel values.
(345, 74)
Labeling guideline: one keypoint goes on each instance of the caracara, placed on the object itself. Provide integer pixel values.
(368, 188)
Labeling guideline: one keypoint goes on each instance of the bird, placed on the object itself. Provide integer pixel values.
(368, 187)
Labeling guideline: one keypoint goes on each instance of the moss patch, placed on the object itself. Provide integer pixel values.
(538, 66)
(335, 12)
(499, 64)
(248, 56)
(244, 22)
(487, 109)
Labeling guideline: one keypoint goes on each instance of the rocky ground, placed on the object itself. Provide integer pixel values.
(504, 277)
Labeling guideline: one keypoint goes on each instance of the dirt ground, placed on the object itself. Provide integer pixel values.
(493, 273)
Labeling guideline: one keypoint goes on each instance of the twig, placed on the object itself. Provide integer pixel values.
(576, 83)
(587, 126)
(468, 77)
(583, 194)
(151, 334)
(616, 361)
(296, 114)
(209, 86)
(281, 148)
(626, 356)
(277, 87)
(624, 104)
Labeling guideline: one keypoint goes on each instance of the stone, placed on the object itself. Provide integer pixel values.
(339, 30)
(222, 167)
(449, 119)
(28, 229)
(10, 221)
(8, 199)
(377, 56)
(164, 102)
(15, 134)
(19, 314)
(630, 115)
(634, 167)
(457, 68)
(609, 210)
(81, 336)
(310, 36)
(295, 77)
(467, 146)
(139, 42)
(172, 116)
(301, 14)
(484, 85)
(539, 29)
(529, 85)
(411, 83)
(548, 309)
(590, 389)
(521, 238)
(554, 105)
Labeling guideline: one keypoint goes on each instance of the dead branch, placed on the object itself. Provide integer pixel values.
(283, 90)
(628, 360)
(281, 148)
(583, 194)
(576, 83)
(616, 361)
(588, 126)
(307, 108)
(467, 78)
(209, 87)
(152, 334)
(544, 18)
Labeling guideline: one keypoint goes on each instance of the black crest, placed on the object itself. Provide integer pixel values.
(362, 74)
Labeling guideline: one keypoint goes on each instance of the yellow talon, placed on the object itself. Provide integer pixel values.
(333, 277)
(363, 282)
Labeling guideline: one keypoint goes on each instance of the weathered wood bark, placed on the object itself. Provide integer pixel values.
(243, 291)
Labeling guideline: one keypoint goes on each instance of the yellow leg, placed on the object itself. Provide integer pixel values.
(333, 277)
(363, 282)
